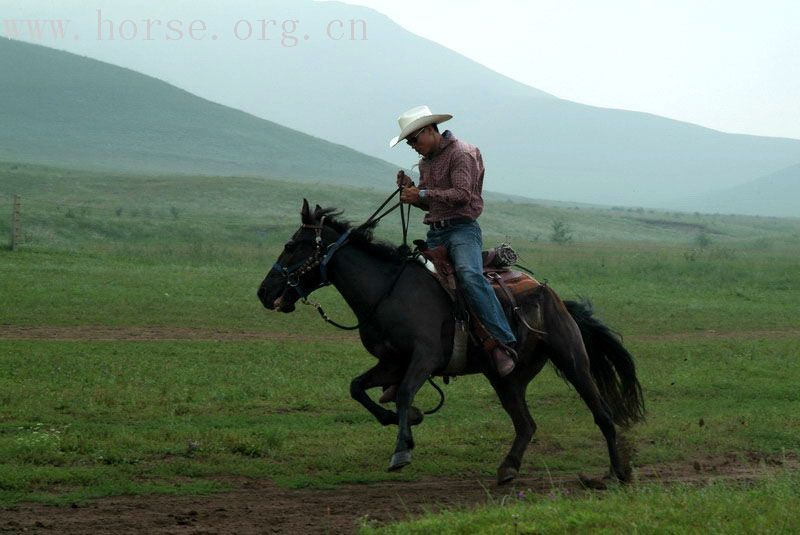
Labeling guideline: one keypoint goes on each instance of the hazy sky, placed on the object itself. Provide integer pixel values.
(730, 65)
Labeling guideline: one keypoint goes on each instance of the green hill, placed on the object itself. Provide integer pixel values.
(61, 109)
(351, 91)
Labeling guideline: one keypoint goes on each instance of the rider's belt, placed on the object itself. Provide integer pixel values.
(444, 223)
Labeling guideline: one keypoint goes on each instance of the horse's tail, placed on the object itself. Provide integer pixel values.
(611, 365)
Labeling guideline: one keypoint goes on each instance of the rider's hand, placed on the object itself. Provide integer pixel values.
(403, 179)
(409, 195)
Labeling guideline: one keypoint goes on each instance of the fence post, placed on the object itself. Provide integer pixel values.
(16, 232)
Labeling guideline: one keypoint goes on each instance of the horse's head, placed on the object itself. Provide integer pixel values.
(297, 271)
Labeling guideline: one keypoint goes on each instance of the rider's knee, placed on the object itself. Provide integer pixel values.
(469, 274)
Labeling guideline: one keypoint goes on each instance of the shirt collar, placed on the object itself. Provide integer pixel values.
(447, 139)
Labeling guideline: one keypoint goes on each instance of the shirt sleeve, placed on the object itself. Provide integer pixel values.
(423, 204)
(463, 170)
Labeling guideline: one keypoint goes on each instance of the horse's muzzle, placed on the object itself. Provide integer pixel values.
(282, 305)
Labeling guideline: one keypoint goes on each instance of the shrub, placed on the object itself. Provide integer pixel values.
(702, 240)
(562, 233)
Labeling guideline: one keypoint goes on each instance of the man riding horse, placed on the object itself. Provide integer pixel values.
(406, 318)
(450, 186)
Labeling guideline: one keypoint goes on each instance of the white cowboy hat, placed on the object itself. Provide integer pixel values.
(414, 119)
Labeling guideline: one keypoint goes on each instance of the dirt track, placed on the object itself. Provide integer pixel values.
(92, 333)
(89, 333)
(259, 506)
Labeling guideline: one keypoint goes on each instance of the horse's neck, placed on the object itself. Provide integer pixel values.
(360, 278)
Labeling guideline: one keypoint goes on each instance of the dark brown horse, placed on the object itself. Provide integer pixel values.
(406, 320)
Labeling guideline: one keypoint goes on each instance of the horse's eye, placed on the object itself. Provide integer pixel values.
(290, 246)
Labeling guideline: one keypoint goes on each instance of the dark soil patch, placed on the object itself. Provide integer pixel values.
(717, 335)
(102, 333)
(676, 225)
(260, 506)
(94, 333)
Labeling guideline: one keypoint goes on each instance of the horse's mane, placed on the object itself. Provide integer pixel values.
(362, 237)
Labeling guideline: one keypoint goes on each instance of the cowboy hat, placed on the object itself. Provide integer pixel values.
(414, 119)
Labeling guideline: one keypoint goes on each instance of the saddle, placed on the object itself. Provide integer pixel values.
(511, 287)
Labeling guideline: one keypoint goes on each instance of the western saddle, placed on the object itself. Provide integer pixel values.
(509, 285)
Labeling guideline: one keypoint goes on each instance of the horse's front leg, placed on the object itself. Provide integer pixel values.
(423, 364)
(382, 374)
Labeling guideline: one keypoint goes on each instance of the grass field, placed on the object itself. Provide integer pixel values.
(764, 507)
(709, 305)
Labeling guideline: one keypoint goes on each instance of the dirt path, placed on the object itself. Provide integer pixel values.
(259, 506)
(89, 333)
(718, 335)
(101, 333)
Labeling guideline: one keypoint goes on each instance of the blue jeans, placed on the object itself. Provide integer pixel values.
(464, 243)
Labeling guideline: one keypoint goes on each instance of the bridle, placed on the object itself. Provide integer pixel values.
(323, 255)
(320, 258)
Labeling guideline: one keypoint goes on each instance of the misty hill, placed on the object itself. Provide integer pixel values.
(351, 91)
(777, 194)
(62, 109)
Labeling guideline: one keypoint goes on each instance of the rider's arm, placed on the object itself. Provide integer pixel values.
(423, 202)
(462, 167)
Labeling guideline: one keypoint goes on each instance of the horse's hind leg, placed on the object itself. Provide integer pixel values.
(564, 345)
(569, 356)
(381, 374)
(511, 391)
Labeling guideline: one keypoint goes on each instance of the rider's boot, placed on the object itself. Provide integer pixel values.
(504, 358)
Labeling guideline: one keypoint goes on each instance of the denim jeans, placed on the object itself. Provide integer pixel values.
(464, 243)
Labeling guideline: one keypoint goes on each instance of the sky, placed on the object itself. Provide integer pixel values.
(729, 65)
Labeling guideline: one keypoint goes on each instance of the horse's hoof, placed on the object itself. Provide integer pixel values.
(415, 416)
(626, 477)
(593, 483)
(399, 460)
(506, 474)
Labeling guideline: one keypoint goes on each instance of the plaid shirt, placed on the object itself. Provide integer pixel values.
(453, 180)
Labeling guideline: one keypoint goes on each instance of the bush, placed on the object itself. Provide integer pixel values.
(702, 240)
(562, 233)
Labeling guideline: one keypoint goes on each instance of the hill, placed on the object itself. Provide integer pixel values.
(776, 194)
(61, 109)
(350, 91)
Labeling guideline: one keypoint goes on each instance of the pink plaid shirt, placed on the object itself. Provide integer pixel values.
(453, 180)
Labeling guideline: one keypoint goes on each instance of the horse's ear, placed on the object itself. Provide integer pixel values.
(305, 212)
(317, 211)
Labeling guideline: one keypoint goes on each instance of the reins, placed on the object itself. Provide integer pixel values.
(405, 220)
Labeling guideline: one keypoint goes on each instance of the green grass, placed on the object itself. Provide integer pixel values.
(80, 419)
(767, 506)
(130, 412)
